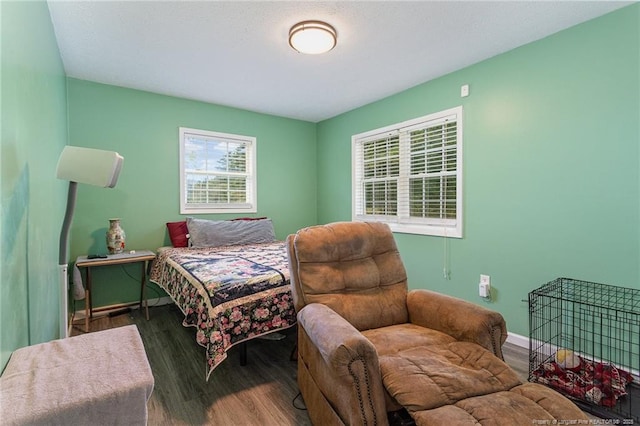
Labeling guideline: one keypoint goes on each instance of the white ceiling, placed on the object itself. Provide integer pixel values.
(236, 53)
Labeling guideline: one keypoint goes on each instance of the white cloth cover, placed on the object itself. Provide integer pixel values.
(95, 379)
(78, 287)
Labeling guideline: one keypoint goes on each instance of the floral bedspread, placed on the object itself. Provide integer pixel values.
(230, 294)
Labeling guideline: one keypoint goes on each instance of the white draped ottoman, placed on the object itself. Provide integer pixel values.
(95, 379)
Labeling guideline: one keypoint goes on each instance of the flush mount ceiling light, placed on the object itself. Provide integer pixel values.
(312, 37)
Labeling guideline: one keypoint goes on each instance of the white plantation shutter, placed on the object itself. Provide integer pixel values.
(217, 172)
(410, 175)
(379, 174)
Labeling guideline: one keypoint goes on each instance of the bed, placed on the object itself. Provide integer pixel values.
(230, 293)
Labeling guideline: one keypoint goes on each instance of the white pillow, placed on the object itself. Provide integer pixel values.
(215, 233)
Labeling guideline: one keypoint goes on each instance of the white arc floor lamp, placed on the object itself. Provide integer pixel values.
(80, 165)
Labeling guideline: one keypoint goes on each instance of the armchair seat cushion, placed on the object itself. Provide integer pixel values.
(398, 338)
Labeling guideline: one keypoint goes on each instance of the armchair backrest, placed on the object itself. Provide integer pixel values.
(352, 267)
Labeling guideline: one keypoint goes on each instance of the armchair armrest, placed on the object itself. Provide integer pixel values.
(458, 318)
(343, 364)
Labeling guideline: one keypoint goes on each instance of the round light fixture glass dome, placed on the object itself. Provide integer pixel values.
(312, 37)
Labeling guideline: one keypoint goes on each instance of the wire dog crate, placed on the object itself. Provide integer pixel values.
(584, 341)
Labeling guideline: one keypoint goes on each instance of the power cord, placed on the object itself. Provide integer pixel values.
(147, 285)
(293, 402)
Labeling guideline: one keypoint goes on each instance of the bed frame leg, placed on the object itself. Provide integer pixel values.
(243, 354)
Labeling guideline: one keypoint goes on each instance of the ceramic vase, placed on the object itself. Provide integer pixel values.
(115, 237)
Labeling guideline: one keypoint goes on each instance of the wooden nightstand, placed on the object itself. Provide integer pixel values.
(141, 256)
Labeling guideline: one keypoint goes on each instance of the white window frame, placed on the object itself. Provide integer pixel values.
(250, 204)
(399, 219)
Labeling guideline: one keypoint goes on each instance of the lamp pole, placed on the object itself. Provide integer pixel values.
(63, 259)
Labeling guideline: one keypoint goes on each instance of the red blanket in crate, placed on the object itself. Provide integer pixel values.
(596, 382)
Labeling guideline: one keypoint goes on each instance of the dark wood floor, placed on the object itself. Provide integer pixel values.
(263, 392)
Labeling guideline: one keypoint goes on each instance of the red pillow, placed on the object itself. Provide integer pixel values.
(178, 232)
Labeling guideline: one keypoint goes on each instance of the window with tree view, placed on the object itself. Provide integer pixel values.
(217, 172)
(410, 175)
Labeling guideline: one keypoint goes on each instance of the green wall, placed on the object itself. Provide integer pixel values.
(143, 127)
(551, 166)
(34, 131)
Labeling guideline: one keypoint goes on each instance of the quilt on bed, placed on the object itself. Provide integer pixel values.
(230, 294)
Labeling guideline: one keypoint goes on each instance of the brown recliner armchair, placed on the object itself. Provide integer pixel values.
(367, 346)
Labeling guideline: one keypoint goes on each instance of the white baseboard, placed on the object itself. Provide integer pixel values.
(160, 301)
(106, 310)
(518, 340)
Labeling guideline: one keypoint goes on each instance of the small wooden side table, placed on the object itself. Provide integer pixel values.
(142, 256)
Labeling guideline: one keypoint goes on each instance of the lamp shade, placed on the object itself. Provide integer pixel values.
(312, 37)
(90, 166)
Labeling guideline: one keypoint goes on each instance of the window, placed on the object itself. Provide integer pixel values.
(410, 175)
(217, 172)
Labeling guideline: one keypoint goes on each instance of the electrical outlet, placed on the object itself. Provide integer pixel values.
(484, 288)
